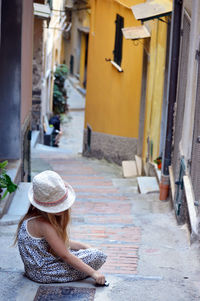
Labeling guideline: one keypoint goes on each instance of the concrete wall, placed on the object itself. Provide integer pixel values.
(184, 161)
(16, 82)
(191, 87)
(26, 61)
(26, 86)
(110, 147)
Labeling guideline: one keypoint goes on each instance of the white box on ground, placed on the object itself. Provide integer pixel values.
(129, 169)
(148, 184)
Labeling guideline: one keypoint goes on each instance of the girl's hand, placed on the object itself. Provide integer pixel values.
(98, 277)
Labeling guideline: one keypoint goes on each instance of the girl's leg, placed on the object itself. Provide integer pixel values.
(62, 272)
(93, 257)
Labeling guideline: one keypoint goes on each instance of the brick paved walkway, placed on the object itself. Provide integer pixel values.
(101, 215)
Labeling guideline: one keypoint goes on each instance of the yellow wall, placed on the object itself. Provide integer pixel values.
(155, 87)
(82, 58)
(113, 98)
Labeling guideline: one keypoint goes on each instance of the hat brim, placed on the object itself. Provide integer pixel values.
(66, 204)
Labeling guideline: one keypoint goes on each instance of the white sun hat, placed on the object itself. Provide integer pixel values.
(49, 193)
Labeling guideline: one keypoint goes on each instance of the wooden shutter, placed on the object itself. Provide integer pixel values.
(118, 39)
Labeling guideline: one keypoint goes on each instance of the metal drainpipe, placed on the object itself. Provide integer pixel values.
(172, 87)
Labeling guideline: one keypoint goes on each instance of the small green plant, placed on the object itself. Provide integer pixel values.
(59, 92)
(5, 181)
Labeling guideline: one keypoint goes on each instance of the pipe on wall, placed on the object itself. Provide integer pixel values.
(171, 94)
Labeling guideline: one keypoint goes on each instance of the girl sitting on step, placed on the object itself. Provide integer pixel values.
(42, 235)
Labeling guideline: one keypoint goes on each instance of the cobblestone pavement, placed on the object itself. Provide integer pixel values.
(101, 214)
(149, 255)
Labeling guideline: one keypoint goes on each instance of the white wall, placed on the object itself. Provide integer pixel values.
(190, 98)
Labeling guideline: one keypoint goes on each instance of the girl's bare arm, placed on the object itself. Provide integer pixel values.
(59, 247)
(75, 245)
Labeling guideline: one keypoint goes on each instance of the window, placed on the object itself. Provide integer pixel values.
(118, 40)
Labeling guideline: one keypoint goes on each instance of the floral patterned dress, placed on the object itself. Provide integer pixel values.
(41, 266)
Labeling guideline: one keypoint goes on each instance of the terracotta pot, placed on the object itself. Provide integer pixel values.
(164, 191)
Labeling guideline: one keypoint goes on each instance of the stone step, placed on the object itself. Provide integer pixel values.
(18, 206)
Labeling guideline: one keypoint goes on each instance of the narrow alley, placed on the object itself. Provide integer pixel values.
(107, 95)
(149, 255)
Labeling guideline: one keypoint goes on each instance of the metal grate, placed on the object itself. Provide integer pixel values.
(195, 158)
(61, 293)
(181, 90)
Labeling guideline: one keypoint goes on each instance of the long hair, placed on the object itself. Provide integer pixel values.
(60, 223)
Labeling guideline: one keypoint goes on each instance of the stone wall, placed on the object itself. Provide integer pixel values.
(110, 147)
(37, 75)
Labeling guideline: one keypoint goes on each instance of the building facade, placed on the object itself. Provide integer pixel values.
(185, 161)
(76, 38)
(114, 76)
(48, 53)
(16, 82)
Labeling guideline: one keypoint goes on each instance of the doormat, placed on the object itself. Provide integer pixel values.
(61, 293)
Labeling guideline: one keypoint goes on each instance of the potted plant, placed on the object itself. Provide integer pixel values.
(5, 181)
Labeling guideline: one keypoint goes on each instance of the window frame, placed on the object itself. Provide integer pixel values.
(117, 52)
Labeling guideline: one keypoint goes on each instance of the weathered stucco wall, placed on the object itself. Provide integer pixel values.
(37, 73)
(113, 98)
(74, 37)
(26, 63)
(156, 79)
(187, 4)
(15, 79)
(110, 147)
(10, 78)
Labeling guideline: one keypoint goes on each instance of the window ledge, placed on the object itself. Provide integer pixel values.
(116, 66)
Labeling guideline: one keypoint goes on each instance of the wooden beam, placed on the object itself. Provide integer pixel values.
(190, 203)
(172, 182)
